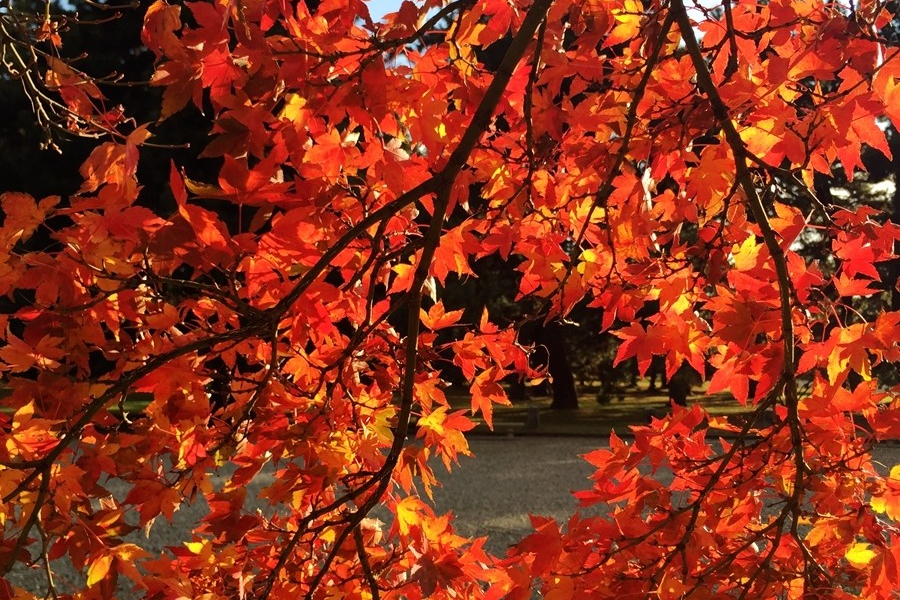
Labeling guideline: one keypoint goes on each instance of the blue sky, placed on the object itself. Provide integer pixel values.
(379, 8)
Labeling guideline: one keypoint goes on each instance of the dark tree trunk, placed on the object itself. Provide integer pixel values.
(893, 266)
(517, 390)
(552, 336)
(880, 167)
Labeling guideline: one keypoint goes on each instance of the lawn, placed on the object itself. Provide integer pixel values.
(630, 406)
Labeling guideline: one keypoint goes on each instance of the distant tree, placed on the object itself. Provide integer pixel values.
(99, 45)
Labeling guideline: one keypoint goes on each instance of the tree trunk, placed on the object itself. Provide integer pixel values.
(552, 336)
(893, 269)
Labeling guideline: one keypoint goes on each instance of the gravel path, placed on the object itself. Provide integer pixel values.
(491, 494)
(494, 492)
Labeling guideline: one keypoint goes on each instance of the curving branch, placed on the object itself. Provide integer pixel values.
(744, 177)
(442, 184)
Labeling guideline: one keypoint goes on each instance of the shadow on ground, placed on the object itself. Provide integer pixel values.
(623, 408)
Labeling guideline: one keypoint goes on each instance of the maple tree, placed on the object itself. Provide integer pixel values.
(619, 155)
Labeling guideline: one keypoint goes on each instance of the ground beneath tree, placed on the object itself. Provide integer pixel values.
(618, 412)
(491, 494)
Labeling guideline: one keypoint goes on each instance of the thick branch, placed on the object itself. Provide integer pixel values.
(442, 183)
(745, 180)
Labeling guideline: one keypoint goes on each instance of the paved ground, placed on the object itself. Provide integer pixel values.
(491, 494)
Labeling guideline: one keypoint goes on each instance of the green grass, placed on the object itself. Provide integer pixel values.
(632, 406)
(134, 402)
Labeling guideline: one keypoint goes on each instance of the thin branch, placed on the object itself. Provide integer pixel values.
(45, 556)
(42, 466)
(744, 178)
(608, 186)
(529, 107)
(364, 562)
(441, 183)
(22, 540)
(732, 65)
(757, 209)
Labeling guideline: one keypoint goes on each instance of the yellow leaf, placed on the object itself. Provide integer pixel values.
(817, 534)
(23, 414)
(295, 109)
(437, 318)
(220, 456)
(836, 366)
(434, 421)
(860, 555)
(762, 136)
(383, 423)
(589, 263)
(409, 513)
(327, 536)
(203, 189)
(746, 257)
(98, 569)
(628, 23)
(130, 552)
